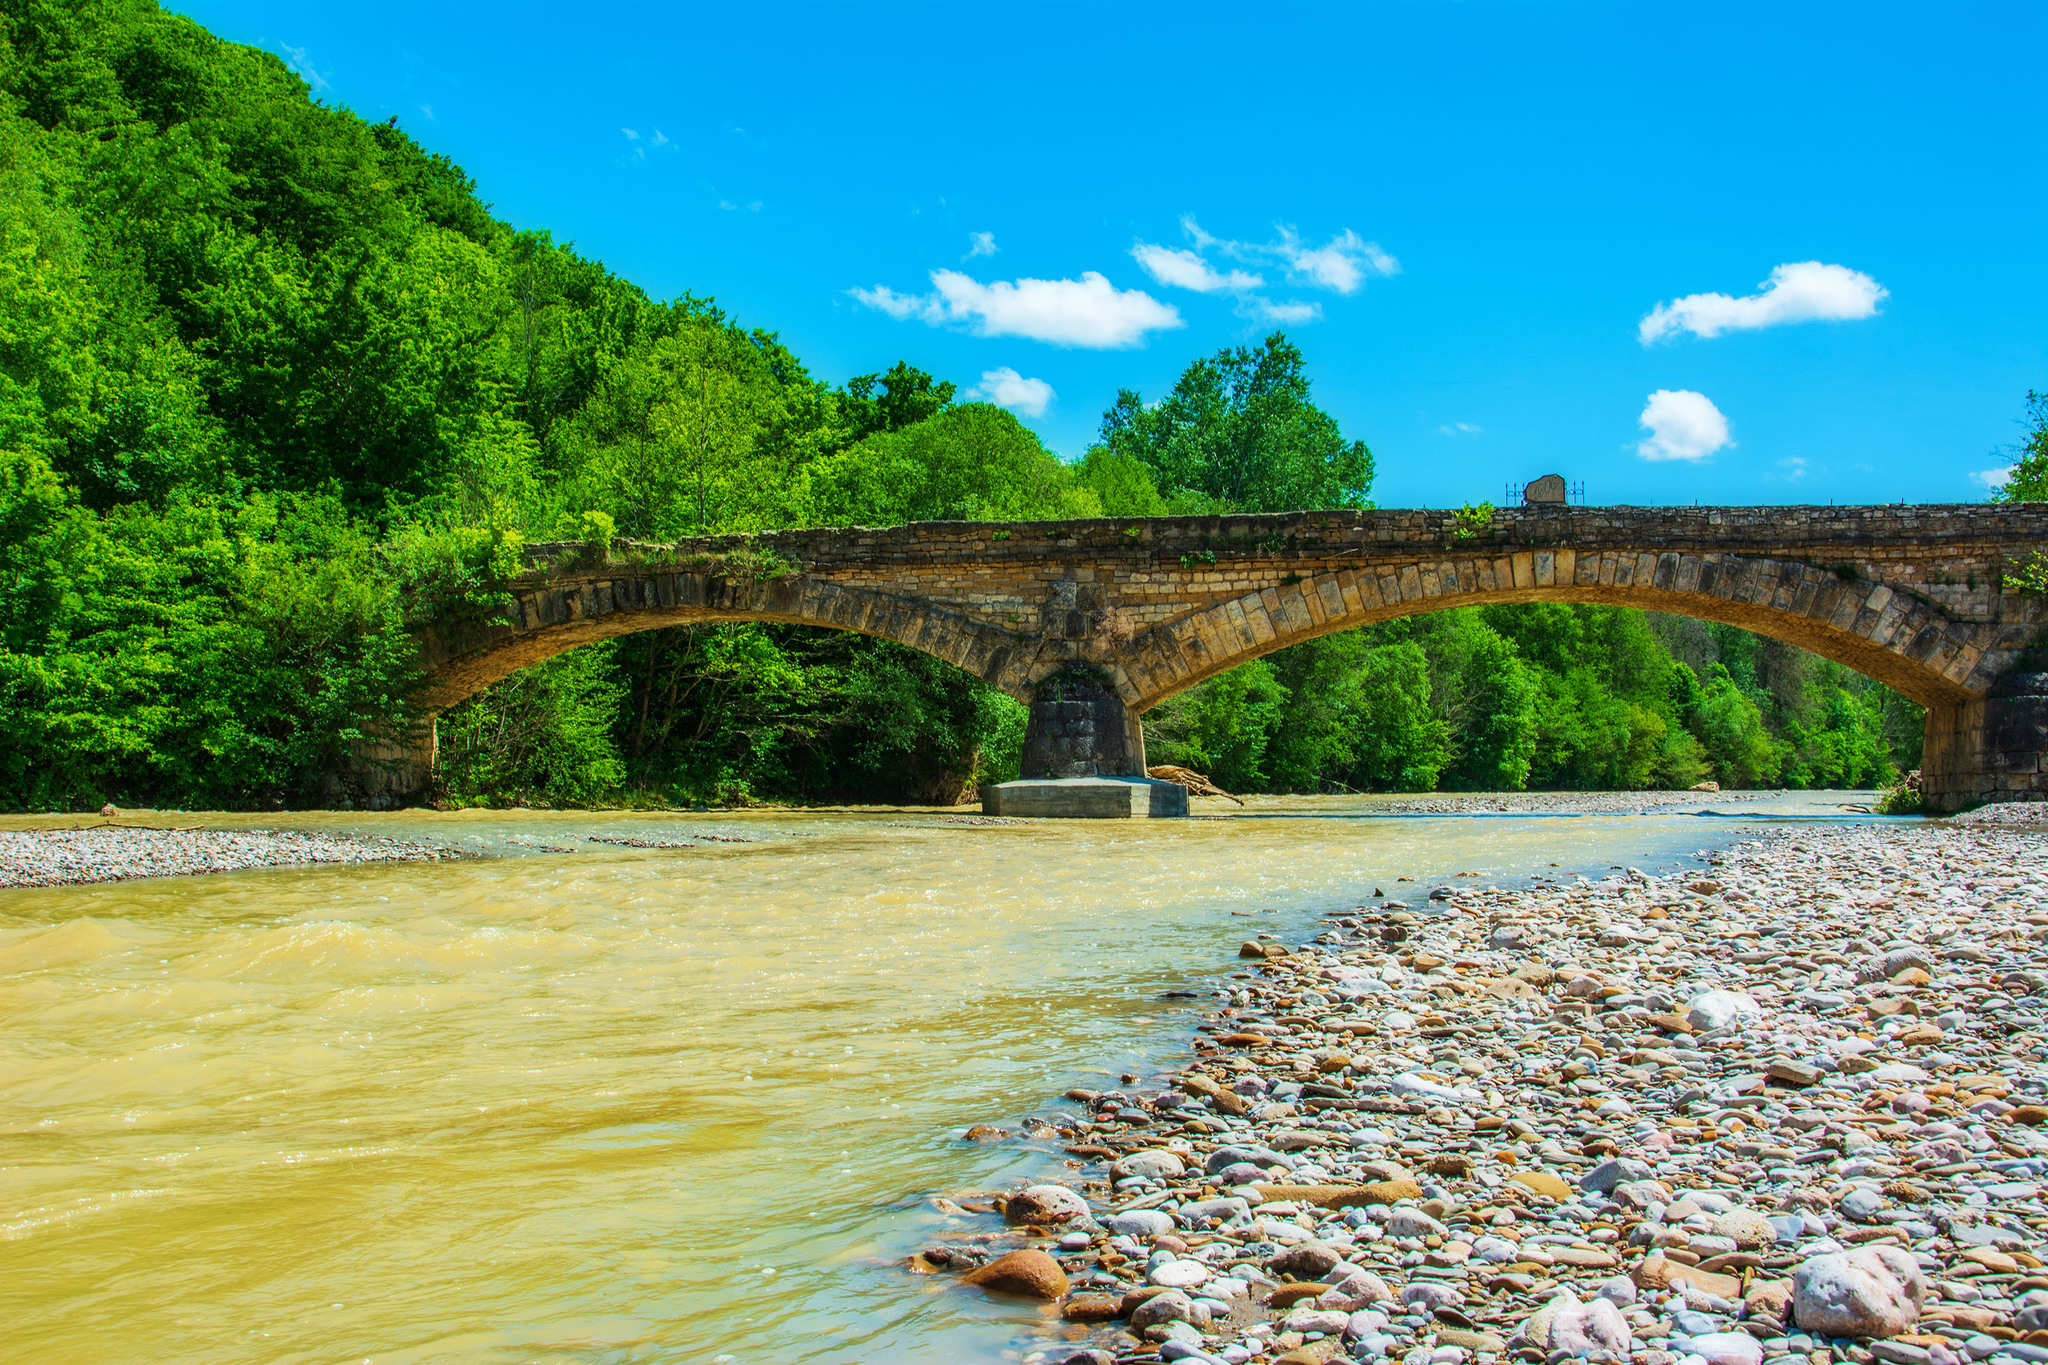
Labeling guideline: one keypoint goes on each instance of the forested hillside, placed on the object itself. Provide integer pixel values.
(274, 383)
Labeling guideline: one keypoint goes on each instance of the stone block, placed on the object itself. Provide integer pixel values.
(1085, 798)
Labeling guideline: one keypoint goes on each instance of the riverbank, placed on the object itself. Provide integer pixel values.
(113, 852)
(1570, 802)
(1784, 1110)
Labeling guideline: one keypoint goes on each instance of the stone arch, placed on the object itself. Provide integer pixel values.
(463, 659)
(1880, 631)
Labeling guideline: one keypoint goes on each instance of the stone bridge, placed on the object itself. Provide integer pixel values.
(1091, 623)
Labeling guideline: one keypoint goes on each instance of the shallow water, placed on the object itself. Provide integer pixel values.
(618, 1104)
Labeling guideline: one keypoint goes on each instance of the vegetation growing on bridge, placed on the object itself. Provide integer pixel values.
(274, 385)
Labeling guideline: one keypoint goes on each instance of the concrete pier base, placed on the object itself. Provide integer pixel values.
(1085, 798)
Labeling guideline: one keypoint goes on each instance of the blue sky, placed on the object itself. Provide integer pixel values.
(1727, 253)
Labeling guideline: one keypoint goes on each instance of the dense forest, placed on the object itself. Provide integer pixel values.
(274, 384)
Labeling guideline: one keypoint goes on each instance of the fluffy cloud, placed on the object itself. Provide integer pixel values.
(984, 244)
(1089, 312)
(1341, 265)
(1006, 388)
(1802, 291)
(1186, 270)
(1683, 425)
(1993, 479)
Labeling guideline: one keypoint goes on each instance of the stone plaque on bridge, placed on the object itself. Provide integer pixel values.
(1548, 489)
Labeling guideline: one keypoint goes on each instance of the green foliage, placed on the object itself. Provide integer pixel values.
(974, 462)
(2028, 482)
(542, 736)
(1472, 522)
(1239, 433)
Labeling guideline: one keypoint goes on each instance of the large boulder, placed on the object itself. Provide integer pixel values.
(1873, 1291)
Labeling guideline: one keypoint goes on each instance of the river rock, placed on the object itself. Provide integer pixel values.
(1585, 1331)
(1611, 1173)
(1361, 1289)
(1872, 1291)
(1170, 1306)
(1145, 1223)
(1029, 1273)
(1727, 1348)
(1308, 1261)
(1712, 1010)
(1044, 1206)
(1156, 1164)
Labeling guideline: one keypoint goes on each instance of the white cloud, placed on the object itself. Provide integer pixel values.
(1089, 312)
(1341, 265)
(428, 110)
(1801, 291)
(751, 206)
(631, 136)
(883, 299)
(1006, 388)
(1186, 270)
(300, 63)
(1461, 429)
(1683, 425)
(984, 244)
(660, 138)
(1993, 479)
(1288, 312)
(1794, 467)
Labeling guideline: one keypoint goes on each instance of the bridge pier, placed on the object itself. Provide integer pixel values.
(386, 771)
(1084, 757)
(1991, 749)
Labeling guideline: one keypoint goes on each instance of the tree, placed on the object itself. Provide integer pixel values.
(974, 462)
(908, 396)
(2028, 481)
(1240, 432)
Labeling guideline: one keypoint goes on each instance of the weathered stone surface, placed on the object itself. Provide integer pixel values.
(1872, 1291)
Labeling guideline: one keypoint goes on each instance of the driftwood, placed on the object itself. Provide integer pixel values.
(1196, 784)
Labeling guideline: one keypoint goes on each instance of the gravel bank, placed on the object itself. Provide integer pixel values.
(1786, 1110)
(1572, 803)
(73, 857)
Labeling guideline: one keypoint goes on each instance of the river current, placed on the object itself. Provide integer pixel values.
(576, 1101)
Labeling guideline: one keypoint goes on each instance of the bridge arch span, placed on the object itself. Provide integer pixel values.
(1901, 641)
(1091, 623)
(464, 661)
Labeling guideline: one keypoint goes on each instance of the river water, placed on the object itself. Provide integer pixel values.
(583, 1102)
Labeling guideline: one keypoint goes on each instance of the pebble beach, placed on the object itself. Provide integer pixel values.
(1783, 1109)
(114, 853)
